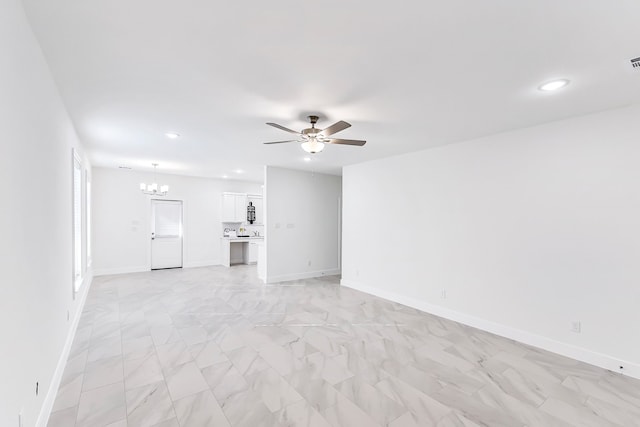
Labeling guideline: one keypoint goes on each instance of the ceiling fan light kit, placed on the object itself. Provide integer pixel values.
(312, 146)
(313, 140)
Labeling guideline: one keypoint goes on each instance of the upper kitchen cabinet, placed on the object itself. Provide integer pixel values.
(241, 207)
(234, 207)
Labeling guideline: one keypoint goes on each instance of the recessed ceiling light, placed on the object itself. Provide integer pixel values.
(225, 176)
(172, 135)
(307, 159)
(239, 171)
(553, 85)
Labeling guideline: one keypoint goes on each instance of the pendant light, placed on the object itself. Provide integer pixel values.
(152, 189)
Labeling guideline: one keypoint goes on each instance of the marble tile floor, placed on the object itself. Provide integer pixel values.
(213, 347)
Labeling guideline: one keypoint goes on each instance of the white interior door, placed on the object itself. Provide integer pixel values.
(166, 234)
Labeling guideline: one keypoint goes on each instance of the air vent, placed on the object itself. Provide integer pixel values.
(635, 63)
(124, 167)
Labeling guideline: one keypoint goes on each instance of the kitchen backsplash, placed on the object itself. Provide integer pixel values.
(250, 229)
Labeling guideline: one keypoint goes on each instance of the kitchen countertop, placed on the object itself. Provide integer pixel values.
(235, 239)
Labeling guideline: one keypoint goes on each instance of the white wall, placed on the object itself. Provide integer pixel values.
(303, 219)
(526, 231)
(122, 215)
(35, 225)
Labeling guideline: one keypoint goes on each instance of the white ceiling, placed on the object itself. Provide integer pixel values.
(407, 75)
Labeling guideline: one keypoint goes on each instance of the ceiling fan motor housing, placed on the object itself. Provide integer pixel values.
(312, 130)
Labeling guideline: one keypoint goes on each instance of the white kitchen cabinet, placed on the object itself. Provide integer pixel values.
(228, 207)
(252, 253)
(241, 207)
(234, 207)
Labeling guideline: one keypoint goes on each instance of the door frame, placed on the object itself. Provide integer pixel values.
(152, 227)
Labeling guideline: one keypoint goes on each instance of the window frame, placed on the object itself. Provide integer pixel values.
(87, 218)
(77, 246)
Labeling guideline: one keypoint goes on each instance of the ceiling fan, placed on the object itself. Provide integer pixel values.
(313, 139)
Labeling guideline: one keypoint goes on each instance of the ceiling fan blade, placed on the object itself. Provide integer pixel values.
(336, 127)
(357, 142)
(275, 125)
(281, 142)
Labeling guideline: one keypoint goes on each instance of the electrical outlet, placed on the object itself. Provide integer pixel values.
(443, 294)
(576, 326)
(309, 263)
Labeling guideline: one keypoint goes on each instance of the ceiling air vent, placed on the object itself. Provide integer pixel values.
(635, 63)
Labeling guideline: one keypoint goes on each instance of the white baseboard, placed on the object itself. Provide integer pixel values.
(50, 398)
(578, 353)
(303, 275)
(142, 269)
(119, 270)
(201, 264)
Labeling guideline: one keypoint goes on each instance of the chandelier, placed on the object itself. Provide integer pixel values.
(152, 189)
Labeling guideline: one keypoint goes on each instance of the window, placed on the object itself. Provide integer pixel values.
(77, 222)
